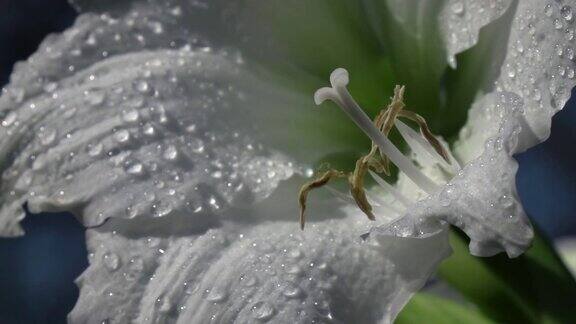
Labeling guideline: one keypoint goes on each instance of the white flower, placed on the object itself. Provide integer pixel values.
(179, 131)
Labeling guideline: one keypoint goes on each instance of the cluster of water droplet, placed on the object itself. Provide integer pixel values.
(540, 62)
(113, 118)
(244, 275)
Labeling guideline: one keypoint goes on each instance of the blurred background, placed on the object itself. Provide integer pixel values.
(37, 271)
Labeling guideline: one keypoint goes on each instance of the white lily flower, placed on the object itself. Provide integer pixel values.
(160, 125)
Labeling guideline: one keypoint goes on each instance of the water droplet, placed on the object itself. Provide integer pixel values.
(165, 305)
(161, 208)
(157, 27)
(323, 308)
(511, 71)
(95, 149)
(558, 24)
(248, 280)
(294, 270)
(135, 168)
(47, 136)
(171, 153)
(548, 10)
(291, 290)
(94, 98)
(148, 129)
(566, 13)
(142, 86)
(122, 136)
(263, 311)
(197, 146)
(216, 295)
(111, 261)
(506, 201)
(570, 72)
(458, 8)
(9, 119)
(537, 95)
(295, 253)
(130, 116)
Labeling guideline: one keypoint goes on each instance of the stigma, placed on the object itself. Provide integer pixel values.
(383, 151)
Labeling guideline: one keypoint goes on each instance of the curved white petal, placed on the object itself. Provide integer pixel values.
(151, 116)
(456, 23)
(131, 117)
(270, 272)
(539, 66)
(481, 199)
(150, 133)
(132, 114)
(461, 21)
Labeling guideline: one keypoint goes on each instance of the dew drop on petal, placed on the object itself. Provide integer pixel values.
(111, 261)
(566, 13)
(142, 86)
(122, 136)
(47, 136)
(292, 291)
(216, 295)
(263, 311)
(548, 10)
(458, 8)
(170, 153)
(130, 116)
(9, 119)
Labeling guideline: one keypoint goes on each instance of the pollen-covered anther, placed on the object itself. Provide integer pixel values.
(382, 149)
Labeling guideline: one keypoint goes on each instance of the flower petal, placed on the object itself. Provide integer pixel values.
(482, 199)
(538, 66)
(146, 134)
(137, 97)
(461, 21)
(267, 272)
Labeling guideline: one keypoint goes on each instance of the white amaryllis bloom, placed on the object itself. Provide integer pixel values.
(179, 131)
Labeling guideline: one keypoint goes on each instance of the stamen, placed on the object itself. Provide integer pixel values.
(419, 145)
(339, 80)
(426, 133)
(378, 131)
(386, 186)
(316, 183)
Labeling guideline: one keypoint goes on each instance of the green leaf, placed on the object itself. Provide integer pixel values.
(533, 288)
(297, 44)
(408, 32)
(430, 309)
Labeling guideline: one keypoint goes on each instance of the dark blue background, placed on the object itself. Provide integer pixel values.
(37, 271)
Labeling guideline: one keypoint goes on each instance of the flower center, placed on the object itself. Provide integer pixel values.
(383, 150)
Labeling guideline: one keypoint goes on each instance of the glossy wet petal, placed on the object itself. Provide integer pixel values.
(270, 272)
(538, 67)
(481, 198)
(461, 22)
(144, 134)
